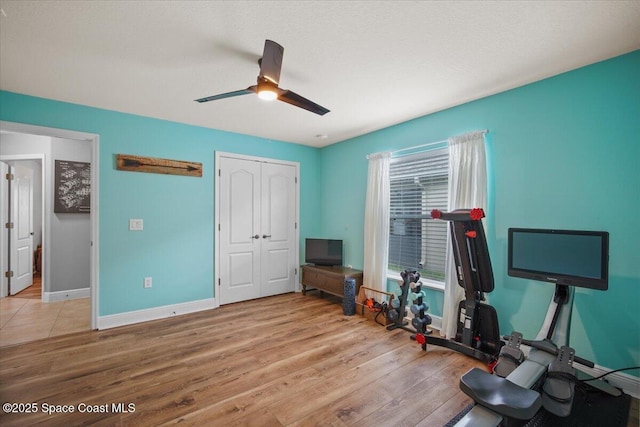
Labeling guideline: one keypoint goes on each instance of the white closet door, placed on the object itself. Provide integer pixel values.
(257, 235)
(278, 228)
(240, 237)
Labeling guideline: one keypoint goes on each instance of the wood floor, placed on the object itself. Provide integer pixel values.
(34, 291)
(285, 360)
(289, 360)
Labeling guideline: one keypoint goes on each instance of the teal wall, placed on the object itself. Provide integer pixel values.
(176, 246)
(562, 153)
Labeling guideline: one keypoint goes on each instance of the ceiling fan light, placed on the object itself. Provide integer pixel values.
(267, 90)
(267, 94)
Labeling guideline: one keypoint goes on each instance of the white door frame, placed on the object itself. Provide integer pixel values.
(93, 139)
(216, 249)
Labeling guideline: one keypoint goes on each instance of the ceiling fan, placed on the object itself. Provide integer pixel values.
(267, 86)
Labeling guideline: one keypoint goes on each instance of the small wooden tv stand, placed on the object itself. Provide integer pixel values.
(328, 279)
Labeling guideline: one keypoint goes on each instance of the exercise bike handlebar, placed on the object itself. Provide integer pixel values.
(551, 348)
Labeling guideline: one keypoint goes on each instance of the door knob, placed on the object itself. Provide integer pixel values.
(264, 236)
(257, 236)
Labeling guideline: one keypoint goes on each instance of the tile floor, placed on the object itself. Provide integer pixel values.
(23, 320)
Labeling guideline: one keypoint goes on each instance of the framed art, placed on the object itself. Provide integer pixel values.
(72, 192)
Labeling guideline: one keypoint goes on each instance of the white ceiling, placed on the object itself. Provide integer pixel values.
(372, 63)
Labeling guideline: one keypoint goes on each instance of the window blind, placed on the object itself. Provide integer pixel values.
(418, 184)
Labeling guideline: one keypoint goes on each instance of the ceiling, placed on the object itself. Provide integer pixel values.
(372, 63)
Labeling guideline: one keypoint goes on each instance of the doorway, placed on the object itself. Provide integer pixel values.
(257, 227)
(92, 142)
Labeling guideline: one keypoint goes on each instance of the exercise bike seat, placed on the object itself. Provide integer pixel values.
(500, 395)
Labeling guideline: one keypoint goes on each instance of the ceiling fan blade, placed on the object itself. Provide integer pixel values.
(250, 89)
(271, 62)
(299, 101)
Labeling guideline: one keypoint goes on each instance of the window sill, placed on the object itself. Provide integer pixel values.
(427, 283)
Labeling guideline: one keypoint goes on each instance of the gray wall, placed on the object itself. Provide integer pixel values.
(70, 233)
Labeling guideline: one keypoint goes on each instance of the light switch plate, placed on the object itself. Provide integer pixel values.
(135, 225)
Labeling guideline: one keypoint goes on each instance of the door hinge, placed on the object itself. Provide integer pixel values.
(9, 176)
(8, 225)
(296, 225)
(218, 227)
(296, 179)
(8, 274)
(219, 172)
(295, 271)
(219, 283)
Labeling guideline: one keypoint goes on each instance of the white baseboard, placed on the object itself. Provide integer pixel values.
(66, 295)
(131, 317)
(436, 322)
(626, 382)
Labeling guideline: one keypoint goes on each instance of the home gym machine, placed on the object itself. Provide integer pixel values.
(477, 333)
(546, 377)
(540, 380)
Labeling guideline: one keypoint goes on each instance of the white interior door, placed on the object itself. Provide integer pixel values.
(21, 235)
(4, 235)
(239, 230)
(278, 228)
(257, 229)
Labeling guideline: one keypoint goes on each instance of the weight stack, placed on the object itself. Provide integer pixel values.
(349, 297)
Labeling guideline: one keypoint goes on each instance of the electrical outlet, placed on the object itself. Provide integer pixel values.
(147, 282)
(135, 225)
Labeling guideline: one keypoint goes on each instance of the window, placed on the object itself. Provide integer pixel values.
(419, 184)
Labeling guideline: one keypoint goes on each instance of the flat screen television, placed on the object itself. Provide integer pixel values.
(565, 257)
(323, 252)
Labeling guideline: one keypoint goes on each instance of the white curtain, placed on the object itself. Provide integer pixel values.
(467, 189)
(376, 222)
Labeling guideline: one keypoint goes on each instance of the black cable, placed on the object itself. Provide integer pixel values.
(611, 372)
(582, 384)
(569, 377)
